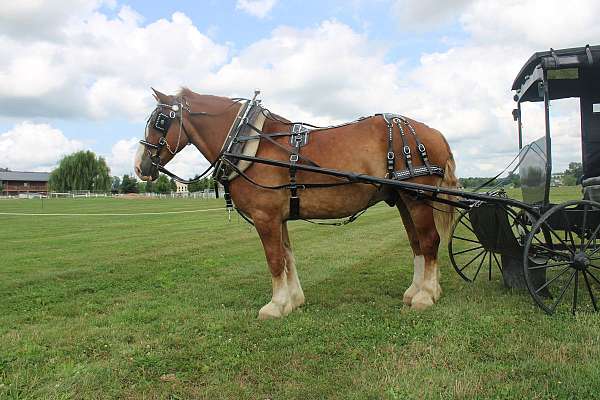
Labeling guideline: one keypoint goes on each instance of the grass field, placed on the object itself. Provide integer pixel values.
(165, 306)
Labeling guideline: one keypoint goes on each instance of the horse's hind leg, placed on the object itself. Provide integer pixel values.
(429, 240)
(270, 231)
(418, 259)
(296, 293)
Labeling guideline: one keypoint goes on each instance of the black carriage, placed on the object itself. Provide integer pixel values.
(552, 249)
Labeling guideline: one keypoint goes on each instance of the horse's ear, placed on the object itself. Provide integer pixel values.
(160, 97)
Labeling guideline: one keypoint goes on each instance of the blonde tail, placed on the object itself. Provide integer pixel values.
(443, 214)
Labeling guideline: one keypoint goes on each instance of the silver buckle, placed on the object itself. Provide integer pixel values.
(294, 158)
(406, 150)
(390, 155)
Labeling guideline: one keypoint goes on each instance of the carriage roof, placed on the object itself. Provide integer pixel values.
(569, 71)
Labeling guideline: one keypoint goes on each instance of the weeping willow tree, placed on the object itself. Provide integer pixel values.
(81, 171)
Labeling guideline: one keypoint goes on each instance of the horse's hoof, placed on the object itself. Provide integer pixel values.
(409, 294)
(438, 293)
(421, 301)
(272, 311)
(297, 300)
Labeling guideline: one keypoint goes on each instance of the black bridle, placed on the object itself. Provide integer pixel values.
(161, 119)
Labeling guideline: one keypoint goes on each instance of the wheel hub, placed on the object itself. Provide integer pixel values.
(580, 261)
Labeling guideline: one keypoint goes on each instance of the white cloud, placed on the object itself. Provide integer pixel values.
(120, 160)
(257, 8)
(421, 15)
(35, 147)
(101, 65)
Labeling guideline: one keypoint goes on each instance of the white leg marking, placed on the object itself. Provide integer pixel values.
(417, 281)
(296, 293)
(280, 304)
(430, 290)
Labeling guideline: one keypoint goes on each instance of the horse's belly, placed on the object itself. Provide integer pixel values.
(337, 202)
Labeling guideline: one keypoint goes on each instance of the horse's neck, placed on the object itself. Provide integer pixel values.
(211, 131)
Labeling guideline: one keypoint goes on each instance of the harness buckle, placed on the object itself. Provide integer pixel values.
(421, 147)
(390, 155)
(172, 114)
(406, 150)
(162, 141)
(294, 158)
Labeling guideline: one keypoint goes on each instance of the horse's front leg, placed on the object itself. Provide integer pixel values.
(271, 234)
(296, 293)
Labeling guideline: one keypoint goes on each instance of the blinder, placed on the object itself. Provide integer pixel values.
(161, 120)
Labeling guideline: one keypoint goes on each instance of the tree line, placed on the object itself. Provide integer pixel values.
(85, 171)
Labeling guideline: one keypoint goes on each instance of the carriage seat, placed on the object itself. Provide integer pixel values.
(591, 188)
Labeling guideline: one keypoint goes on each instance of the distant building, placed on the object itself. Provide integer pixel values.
(181, 187)
(557, 179)
(16, 182)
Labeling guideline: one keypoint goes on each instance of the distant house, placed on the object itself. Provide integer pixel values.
(16, 182)
(181, 187)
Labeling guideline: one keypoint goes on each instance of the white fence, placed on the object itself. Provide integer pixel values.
(206, 194)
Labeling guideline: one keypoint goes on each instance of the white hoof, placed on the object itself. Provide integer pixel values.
(409, 294)
(272, 310)
(297, 299)
(422, 300)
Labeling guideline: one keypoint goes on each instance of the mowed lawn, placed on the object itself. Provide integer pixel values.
(165, 307)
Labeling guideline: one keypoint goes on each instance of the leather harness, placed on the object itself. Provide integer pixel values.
(226, 166)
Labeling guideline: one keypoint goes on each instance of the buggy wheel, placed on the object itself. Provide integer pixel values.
(565, 244)
(467, 254)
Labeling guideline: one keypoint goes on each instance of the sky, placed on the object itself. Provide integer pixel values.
(76, 74)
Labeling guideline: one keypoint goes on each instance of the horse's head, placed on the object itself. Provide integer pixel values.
(165, 136)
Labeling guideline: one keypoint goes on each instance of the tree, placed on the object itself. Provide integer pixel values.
(173, 185)
(115, 185)
(141, 187)
(573, 174)
(128, 185)
(150, 187)
(163, 185)
(204, 183)
(82, 170)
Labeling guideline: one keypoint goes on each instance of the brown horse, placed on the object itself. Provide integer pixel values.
(359, 147)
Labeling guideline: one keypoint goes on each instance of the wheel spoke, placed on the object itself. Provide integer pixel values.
(473, 259)
(465, 239)
(551, 280)
(549, 266)
(498, 264)
(568, 231)
(575, 292)
(490, 266)
(466, 226)
(479, 267)
(584, 226)
(589, 288)
(593, 238)
(594, 277)
(552, 251)
(468, 250)
(562, 294)
(560, 240)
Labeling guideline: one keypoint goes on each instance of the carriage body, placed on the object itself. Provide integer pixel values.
(550, 249)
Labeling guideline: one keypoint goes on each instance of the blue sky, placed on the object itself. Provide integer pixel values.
(77, 74)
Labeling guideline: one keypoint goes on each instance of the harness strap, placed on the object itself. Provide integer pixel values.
(294, 199)
(405, 148)
(391, 157)
(272, 141)
(420, 146)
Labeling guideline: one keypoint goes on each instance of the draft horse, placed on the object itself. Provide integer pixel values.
(377, 146)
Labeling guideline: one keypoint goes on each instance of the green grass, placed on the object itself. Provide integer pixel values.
(165, 307)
